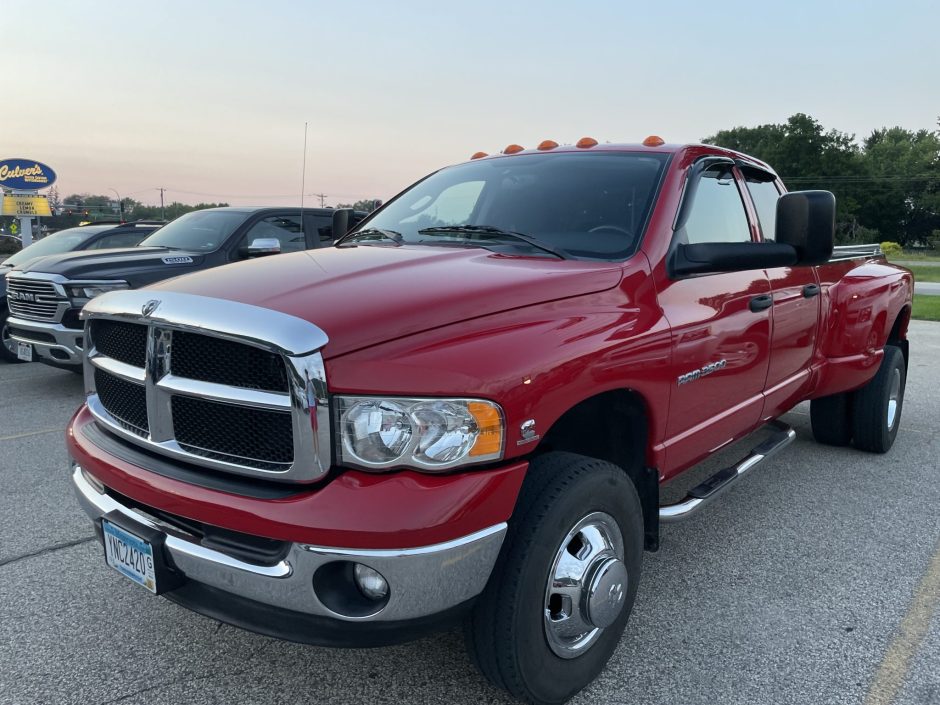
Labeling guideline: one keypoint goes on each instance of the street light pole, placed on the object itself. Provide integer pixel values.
(120, 203)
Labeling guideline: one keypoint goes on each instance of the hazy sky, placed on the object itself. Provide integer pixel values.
(209, 99)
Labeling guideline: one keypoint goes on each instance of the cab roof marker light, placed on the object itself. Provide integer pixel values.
(586, 143)
(654, 141)
(479, 155)
(513, 149)
(547, 144)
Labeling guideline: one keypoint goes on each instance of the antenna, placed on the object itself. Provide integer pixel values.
(303, 178)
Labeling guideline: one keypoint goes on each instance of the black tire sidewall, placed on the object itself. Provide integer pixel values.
(871, 405)
(545, 676)
(4, 353)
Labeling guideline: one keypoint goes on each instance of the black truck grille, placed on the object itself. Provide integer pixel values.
(125, 342)
(222, 361)
(125, 401)
(258, 438)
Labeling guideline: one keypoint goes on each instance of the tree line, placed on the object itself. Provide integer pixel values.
(887, 187)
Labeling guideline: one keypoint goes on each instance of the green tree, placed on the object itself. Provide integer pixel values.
(367, 205)
(806, 156)
(902, 186)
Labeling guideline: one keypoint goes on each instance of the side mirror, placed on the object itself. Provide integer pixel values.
(342, 222)
(712, 257)
(806, 220)
(264, 246)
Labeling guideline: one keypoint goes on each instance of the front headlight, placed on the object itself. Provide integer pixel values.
(426, 434)
(83, 293)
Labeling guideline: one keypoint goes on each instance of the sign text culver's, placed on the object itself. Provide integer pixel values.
(25, 175)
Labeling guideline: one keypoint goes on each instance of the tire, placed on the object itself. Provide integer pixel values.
(878, 405)
(831, 419)
(509, 634)
(7, 346)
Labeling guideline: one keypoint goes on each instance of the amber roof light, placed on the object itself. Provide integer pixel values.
(654, 141)
(586, 142)
(547, 144)
(479, 155)
(513, 148)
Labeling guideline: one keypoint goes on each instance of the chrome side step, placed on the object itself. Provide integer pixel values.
(706, 491)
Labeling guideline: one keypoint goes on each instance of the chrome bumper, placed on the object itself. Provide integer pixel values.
(65, 348)
(422, 581)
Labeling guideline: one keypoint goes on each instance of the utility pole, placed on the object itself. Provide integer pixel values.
(120, 203)
(162, 213)
(321, 196)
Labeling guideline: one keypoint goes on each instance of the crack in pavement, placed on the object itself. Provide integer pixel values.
(47, 549)
(175, 681)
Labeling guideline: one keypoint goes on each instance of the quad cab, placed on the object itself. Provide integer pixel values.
(465, 410)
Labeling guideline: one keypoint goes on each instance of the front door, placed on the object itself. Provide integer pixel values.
(721, 332)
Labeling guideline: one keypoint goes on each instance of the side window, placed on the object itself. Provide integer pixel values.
(765, 195)
(320, 227)
(453, 206)
(118, 240)
(717, 213)
(284, 228)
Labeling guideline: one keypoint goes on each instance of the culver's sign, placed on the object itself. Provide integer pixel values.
(25, 175)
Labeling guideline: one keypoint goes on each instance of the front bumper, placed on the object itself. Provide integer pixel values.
(53, 342)
(427, 584)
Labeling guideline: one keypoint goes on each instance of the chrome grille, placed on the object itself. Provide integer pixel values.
(35, 299)
(197, 381)
(263, 438)
(125, 401)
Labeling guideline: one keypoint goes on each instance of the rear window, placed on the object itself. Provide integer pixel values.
(765, 195)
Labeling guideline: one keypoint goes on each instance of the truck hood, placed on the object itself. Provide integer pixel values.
(137, 265)
(367, 295)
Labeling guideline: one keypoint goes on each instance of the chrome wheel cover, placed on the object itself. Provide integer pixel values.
(894, 398)
(586, 587)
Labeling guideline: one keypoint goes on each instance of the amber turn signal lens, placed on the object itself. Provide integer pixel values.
(654, 141)
(490, 423)
(547, 144)
(479, 155)
(586, 142)
(513, 148)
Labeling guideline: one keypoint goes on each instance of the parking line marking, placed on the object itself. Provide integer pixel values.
(897, 660)
(27, 434)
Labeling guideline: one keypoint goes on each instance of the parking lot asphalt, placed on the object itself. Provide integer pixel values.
(814, 581)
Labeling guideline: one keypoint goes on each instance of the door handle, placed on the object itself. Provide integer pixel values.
(810, 290)
(759, 303)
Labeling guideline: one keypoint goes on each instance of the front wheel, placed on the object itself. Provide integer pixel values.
(7, 344)
(563, 587)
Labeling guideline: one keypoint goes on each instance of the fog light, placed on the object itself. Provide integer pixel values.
(370, 582)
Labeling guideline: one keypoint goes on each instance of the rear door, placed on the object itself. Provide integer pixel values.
(721, 330)
(795, 314)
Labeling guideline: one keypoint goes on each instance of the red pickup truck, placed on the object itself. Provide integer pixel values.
(465, 410)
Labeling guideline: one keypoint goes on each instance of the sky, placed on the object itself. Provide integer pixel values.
(209, 99)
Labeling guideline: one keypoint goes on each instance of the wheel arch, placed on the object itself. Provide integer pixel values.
(898, 334)
(613, 426)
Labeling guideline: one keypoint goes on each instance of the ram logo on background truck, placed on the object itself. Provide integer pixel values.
(465, 409)
(46, 294)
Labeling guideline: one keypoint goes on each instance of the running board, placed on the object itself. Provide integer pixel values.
(705, 492)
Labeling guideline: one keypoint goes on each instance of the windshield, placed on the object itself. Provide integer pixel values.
(62, 241)
(585, 205)
(201, 231)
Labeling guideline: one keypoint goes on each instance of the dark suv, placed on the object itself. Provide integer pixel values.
(46, 295)
(87, 237)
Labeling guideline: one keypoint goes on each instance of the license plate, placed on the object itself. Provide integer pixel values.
(24, 351)
(129, 555)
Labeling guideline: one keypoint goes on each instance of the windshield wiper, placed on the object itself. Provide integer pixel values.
(491, 232)
(369, 233)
